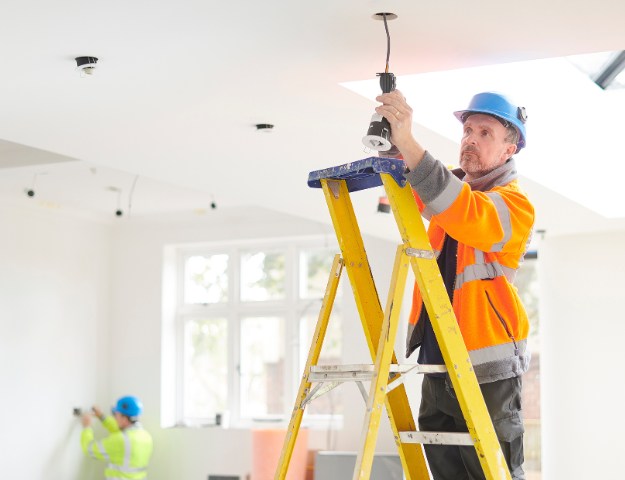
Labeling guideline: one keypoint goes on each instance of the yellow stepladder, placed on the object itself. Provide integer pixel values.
(380, 329)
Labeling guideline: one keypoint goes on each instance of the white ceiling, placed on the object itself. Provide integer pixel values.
(180, 85)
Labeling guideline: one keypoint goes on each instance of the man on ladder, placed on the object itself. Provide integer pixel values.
(480, 226)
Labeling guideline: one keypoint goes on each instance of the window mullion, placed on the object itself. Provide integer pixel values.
(289, 310)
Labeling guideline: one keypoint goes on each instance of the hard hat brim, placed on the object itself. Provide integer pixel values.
(461, 115)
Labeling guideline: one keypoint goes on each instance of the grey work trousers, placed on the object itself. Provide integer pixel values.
(440, 412)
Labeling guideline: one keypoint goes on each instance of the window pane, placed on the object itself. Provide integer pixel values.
(314, 268)
(206, 279)
(331, 353)
(205, 368)
(263, 276)
(262, 366)
(527, 283)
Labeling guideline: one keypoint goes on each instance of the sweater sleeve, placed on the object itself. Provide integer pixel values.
(110, 424)
(90, 447)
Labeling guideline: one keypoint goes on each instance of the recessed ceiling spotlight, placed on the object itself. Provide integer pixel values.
(264, 127)
(86, 65)
(381, 15)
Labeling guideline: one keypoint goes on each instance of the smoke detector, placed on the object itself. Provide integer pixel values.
(86, 65)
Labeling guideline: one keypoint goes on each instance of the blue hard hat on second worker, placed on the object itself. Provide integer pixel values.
(129, 406)
(499, 106)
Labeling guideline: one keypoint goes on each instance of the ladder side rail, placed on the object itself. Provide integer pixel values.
(385, 351)
(371, 316)
(313, 357)
(447, 331)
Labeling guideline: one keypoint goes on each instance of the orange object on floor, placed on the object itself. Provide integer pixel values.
(266, 449)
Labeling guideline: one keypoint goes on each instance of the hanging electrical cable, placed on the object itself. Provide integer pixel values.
(378, 135)
(130, 195)
(388, 42)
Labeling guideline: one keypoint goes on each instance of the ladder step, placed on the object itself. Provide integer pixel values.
(437, 438)
(356, 373)
(361, 174)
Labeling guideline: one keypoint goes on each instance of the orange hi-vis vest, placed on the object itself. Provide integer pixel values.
(492, 221)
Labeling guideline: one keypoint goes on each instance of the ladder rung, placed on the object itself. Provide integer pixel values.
(346, 373)
(436, 438)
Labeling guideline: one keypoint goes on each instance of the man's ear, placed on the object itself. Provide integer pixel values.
(510, 150)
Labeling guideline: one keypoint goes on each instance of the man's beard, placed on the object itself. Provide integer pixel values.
(470, 160)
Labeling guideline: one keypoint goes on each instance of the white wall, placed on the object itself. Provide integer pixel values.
(583, 328)
(80, 318)
(54, 309)
(136, 310)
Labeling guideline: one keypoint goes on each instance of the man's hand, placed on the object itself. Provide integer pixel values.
(97, 412)
(399, 114)
(85, 419)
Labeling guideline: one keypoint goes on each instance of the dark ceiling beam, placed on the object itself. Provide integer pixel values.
(609, 73)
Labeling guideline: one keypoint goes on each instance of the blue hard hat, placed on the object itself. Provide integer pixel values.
(129, 406)
(499, 106)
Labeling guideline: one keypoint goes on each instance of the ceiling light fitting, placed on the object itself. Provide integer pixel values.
(381, 15)
(264, 127)
(31, 191)
(118, 211)
(86, 65)
(378, 135)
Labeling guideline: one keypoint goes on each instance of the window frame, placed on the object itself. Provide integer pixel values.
(291, 310)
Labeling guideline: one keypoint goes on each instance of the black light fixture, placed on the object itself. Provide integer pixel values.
(86, 65)
(378, 135)
(607, 75)
(30, 192)
(118, 211)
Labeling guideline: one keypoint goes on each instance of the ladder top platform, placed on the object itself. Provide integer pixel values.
(361, 174)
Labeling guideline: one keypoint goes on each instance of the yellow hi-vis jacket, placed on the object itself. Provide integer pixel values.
(492, 221)
(126, 451)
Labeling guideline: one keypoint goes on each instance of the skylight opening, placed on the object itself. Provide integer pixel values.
(574, 126)
(606, 69)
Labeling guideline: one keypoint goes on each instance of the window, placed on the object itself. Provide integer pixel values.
(527, 283)
(244, 317)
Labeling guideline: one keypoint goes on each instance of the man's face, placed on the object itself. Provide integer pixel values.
(122, 420)
(484, 146)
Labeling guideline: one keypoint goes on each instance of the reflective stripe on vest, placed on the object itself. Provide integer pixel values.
(101, 450)
(498, 352)
(125, 467)
(504, 218)
(482, 271)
